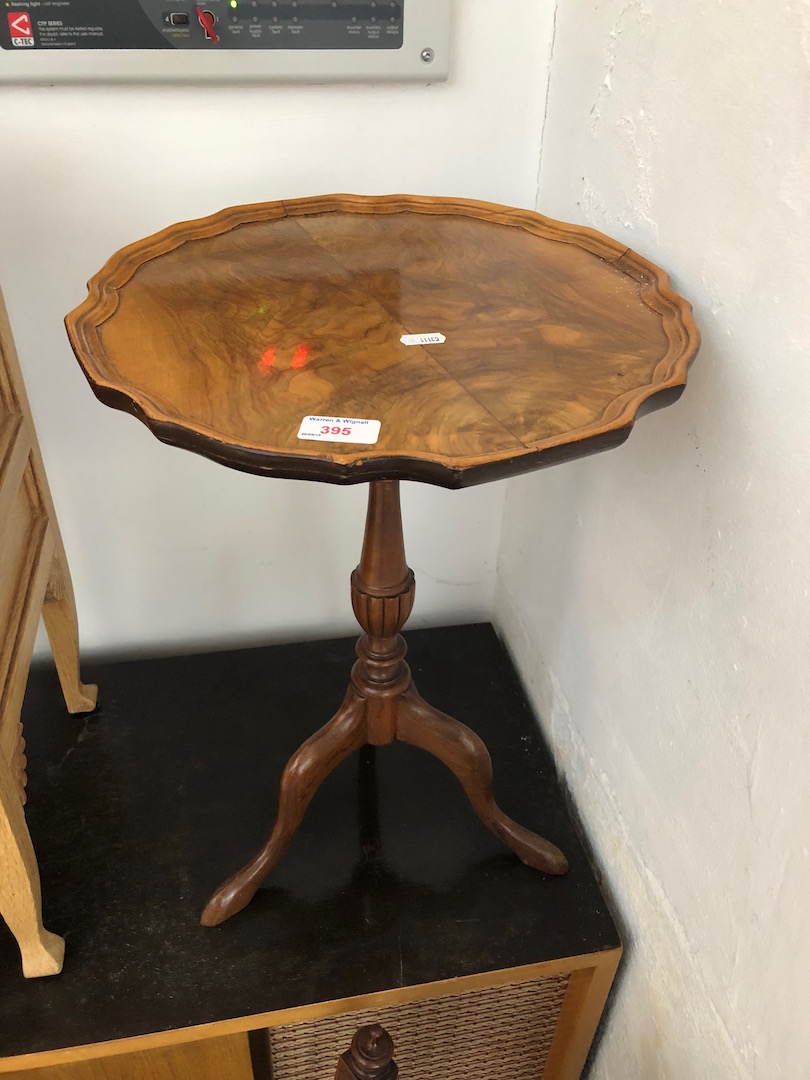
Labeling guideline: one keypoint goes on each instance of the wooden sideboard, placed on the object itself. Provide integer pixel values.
(34, 581)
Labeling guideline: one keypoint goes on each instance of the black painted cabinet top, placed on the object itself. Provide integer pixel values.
(139, 810)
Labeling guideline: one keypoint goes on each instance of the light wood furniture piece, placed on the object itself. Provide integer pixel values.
(225, 1058)
(540, 342)
(34, 581)
(386, 909)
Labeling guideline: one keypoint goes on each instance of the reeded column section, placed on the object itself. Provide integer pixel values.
(382, 598)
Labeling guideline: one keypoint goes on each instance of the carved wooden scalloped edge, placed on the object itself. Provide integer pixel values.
(353, 466)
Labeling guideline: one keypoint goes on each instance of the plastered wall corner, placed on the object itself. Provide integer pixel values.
(659, 591)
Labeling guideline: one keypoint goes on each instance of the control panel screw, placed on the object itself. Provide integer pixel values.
(428, 56)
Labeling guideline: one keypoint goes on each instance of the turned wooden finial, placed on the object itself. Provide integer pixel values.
(370, 1056)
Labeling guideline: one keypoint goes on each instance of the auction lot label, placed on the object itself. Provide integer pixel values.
(339, 429)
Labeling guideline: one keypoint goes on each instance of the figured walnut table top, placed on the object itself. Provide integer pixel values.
(222, 334)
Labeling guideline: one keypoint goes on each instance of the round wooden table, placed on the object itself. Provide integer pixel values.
(355, 339)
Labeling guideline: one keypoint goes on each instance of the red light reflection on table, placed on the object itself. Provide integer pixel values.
(300, 360)
(267, 360)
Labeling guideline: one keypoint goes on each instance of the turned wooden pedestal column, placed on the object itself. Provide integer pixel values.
(381, 704)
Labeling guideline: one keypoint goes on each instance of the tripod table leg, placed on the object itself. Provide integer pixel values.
(467, 757)
(305, 771)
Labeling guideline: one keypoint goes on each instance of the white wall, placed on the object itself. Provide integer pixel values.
(167, 549)
(656, 597)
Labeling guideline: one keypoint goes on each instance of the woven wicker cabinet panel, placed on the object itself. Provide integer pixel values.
(499, 1033)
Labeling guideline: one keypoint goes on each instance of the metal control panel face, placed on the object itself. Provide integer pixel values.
(221, 24)
(310, 40)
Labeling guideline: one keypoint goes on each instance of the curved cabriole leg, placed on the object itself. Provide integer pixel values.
(20, 899)
(467, 757)
(59, 616)
(305, 772)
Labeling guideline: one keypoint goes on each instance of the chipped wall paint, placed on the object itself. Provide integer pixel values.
(656, 597)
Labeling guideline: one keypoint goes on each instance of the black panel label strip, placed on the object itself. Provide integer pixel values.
(213, 24)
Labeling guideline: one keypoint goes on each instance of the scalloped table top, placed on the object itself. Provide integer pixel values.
(223, 334)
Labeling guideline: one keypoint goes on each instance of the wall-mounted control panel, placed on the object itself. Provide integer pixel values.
(223, 40)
